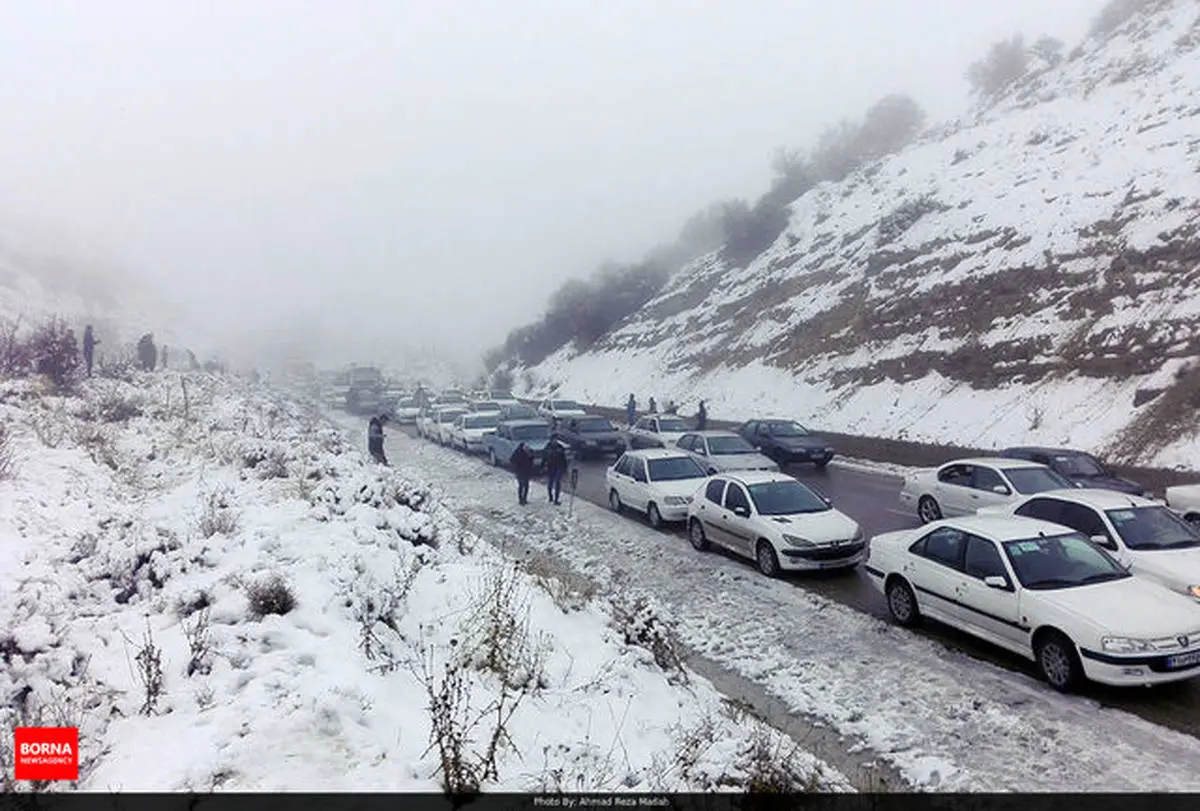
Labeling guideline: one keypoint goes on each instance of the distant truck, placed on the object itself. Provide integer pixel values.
(535, 434)
(365, 390)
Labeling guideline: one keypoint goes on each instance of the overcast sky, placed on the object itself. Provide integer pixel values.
(403, 171)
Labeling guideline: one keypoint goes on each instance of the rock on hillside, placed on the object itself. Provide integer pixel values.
(1030, 274)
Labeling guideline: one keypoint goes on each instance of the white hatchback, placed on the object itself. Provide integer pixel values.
(781, 523)
(658, 482)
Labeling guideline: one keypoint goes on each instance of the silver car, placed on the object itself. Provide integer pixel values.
(722, 451)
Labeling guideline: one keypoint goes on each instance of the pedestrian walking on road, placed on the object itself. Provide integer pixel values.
(653, 406)
(89, 347)
(630, 409)
(701, 417)
(522, 464)
(556, 466)
(375, 438)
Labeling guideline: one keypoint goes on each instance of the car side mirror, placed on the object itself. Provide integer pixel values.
(1001, 489)
(827, 500)
(996, 582)
(743, 512)
(1102, 540)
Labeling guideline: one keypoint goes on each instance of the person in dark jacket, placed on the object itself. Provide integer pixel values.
(522, 464)
(89, 347)
(375, 438)
(147, 353)
(630, 409)
(653, 406)
(701, 417)
(556, 466)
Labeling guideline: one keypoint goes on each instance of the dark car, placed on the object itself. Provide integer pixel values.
(510, 412)
(1082, 468)
(591, 436)
(787, 442)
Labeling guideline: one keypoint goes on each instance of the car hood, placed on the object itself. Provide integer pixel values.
(536, 445)
(1131, 607)
(678, 487)
(476, 433)
(823, 527)
(1110, 483)
(740, 461)
(1178, 567)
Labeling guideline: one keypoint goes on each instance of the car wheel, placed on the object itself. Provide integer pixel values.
(1192, 518)
(696, 535)
(928, 510)
(614, 501)
(1058, 661)
(768, 561)
(902, 603)
(492, 458)
(821, 464)
(654, 516)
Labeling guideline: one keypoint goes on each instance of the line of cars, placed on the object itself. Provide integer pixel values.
(1039, 551)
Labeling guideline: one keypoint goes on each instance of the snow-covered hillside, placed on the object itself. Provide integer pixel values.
(215, 587)
(1024, 275)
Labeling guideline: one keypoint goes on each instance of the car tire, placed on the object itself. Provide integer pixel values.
(696, 535)
(492, 457)
(1058, 661)
(654, 516)
(902, 603)
(767, 559)
(821, 464)
(614, 501)
(1192, 518)
(928, 510)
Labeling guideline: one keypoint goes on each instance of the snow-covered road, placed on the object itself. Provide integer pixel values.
(946, 721)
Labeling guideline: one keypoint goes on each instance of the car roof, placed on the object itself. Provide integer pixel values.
(1000, 462)
(749, 477)
(1097, 498)
(716, 432)
(1046, 450)
(658, 453)
(1002, 526)
(517, 423)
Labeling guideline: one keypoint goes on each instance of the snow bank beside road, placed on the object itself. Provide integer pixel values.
(946, 721)
(227, 597)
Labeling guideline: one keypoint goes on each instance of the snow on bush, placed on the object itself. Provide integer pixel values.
(221, 592)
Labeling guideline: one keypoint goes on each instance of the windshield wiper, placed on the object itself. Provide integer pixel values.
(1180, 544)
(1100, 577)
(1051, 581)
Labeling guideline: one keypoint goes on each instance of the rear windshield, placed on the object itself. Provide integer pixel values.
(531, 432)
(595, 426)
(565, 405)
(1030, 480)
(725, 445)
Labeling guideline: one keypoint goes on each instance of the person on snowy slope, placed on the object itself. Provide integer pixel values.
(556, 466)
(375, 438)
(522, 464)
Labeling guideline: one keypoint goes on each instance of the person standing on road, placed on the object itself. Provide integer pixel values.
(630, 409)
(653, 406)
(89, 347)
(556, 466)
(522, 464)
(375, 438)
(701, 417)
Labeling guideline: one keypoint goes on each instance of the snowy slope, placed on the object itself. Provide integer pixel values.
(140, 535)
(1017, 276)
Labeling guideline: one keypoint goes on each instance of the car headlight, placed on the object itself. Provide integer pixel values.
(796, 540)
(858, 535)
(676, 500)
(1194, 591)
(591, 443)
(1122, 644)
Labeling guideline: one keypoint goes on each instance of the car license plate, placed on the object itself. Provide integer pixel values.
(1183, 660)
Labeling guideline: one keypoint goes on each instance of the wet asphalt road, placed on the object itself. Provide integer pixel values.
(872, 499)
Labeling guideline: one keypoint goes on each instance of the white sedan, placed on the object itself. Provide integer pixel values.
(782, 524)
(1143, 535)
(657, 482)
(963, 486)
(553, 409)
(1042, 591)
(468, 431)
(722, 451)
(657, 431)
(443, 423)
(1185, 500)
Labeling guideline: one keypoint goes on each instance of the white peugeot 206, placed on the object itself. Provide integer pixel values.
(658, 482)
(1042, 591)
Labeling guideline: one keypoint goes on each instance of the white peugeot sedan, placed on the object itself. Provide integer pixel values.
(963, 486)
(1042, 591)
(658, 482)
(443, 423)
(468, 431)
(782, 524)
(657, 431)
(722, 451)
(1143, 535)
(1184, 499)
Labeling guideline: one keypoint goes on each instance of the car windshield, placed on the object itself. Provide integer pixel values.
(1029, 480)
(1079, 464)
(675, 468)
(786, 498)
(672, 426)
(406, 404)
(788, 429)
(481, 421)
(502, 395)
(1061, 562)
(726, 445)
(449, 416)
(565, 405)
(531, 432)
(485, 405)
(520, 412)
(1153, 528)
(594, 426)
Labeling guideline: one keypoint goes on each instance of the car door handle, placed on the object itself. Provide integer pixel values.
(973, 495)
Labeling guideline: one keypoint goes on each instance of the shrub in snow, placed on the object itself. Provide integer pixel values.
(115, 403)
(271, 595)
(497, 636)
(150, 672)
(8, 453)
(770, 767)
(376, 602)
(641, 624)
(54, 351)
(217, 517)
